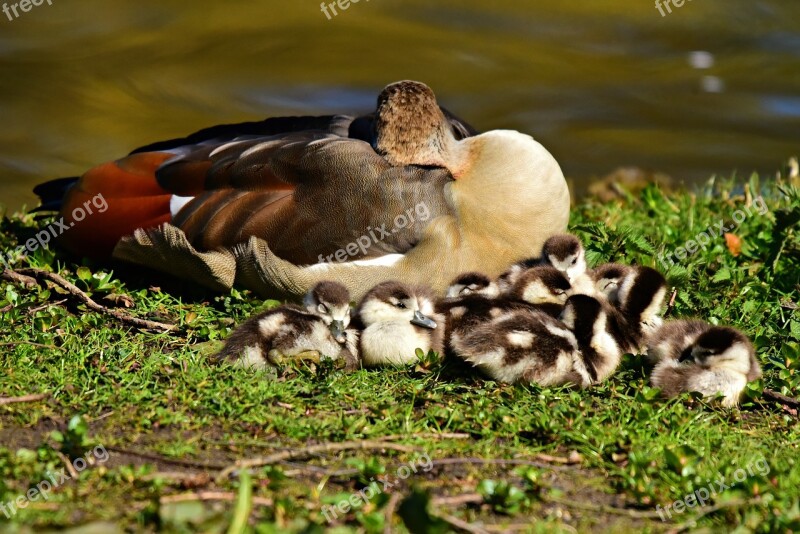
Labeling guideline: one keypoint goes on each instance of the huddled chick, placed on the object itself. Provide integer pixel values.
(526, 345)
(397, 319)
(639, 300)
(563, 252)
(542, 288)
(529, 332)
(319, 330)
(472, 298)
(691, 355)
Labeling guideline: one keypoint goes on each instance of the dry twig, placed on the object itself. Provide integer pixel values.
(210, 496)
(310, 451)
(29, 343)
(389, 511)
(779, 398)
(166, 460)
(24, 398)
(671, 303)
(76, 292)
(13, 276)
(460, 525)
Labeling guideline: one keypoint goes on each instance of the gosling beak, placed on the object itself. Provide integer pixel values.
(423, 320)
(337, 329)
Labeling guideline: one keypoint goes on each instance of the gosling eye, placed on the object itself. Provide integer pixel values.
(322, 308)
(401, 305)
(574, 261)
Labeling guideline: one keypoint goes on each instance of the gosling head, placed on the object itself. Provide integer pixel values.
(565, 253)
(331, 302)
(397, 302)
(541, 285)
(472, 284)
(608, 278)
(506, 280)
(722, 347)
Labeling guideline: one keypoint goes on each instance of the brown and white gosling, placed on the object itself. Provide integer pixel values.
(320, 330)
(397, 319)
(562, 251)
(544, 288)
(510, 276)
(472, 298)
(640, 297)
(472, 283)
(565, 252)
(720, 360)
(672, 338)
(526, 345)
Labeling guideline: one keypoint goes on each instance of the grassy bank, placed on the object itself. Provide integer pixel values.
(418, 447)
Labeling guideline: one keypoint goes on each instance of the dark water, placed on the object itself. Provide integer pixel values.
(601, 83)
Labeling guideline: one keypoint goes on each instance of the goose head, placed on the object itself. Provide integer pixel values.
(410, 127)
(505, 184)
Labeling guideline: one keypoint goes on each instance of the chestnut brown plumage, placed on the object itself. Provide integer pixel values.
(272, 204)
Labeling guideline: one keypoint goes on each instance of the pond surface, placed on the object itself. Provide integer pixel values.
(601, 83)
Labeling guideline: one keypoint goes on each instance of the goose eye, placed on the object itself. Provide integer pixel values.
(401, 305)
(322, 308)
(574, 261)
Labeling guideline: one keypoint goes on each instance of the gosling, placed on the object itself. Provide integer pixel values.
(398, 319)
(526, 345)
(318, 331)
(720, 361)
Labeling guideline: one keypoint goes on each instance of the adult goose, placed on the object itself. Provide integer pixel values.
(408, 193)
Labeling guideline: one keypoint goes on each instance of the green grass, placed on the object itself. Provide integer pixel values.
(150, 399)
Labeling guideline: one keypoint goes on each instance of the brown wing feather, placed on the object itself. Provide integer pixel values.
(308, 194)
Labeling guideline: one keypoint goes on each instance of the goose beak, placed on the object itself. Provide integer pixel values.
(423, 320)
(337, 329)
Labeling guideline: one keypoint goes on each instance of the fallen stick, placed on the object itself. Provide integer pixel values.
(389, 511)
(779, 398)
(76, 292)
(166, 460)
(671, 303)
(13, 276)
(210, 496)
(309, 451)
(460, 525)
(24, 398)
(29, 343)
